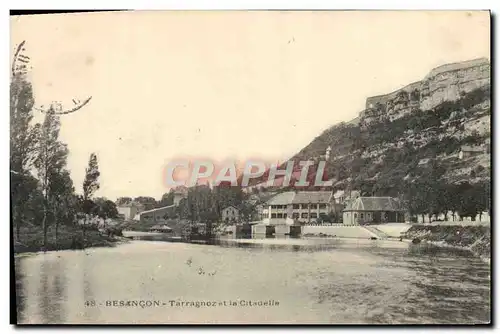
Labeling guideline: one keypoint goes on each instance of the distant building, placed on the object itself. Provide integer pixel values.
(470, 151)
(230, 214)
(179, 194)
(369, 210)
(156, 215)
(129, 210)
(342, 196)
(328, 151)
(304, 206)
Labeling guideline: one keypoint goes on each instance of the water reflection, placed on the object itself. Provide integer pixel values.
(315, 281)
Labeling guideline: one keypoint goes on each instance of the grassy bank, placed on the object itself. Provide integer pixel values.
(477, 239)
(68, 237)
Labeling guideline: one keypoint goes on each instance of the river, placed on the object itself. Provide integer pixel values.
(293, 281)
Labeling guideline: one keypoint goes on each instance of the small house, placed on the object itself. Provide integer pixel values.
(373, 210)
(230, 214)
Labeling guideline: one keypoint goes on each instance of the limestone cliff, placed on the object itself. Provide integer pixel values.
(444, 83)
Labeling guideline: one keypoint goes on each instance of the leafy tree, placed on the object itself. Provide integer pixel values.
(123, 200)
(91, 181)
(61, 201)
(23, 144)
(167, 199)
(148, 202)
(50, 162)
(105, 208)
(90, 186)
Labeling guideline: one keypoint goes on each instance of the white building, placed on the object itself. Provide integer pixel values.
(304, 206)
(129, 210)
(179, 194)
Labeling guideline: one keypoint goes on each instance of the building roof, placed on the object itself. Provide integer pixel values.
(230, 206)
(301, 197)
(282, 199)
(374, 204)
(304, 197)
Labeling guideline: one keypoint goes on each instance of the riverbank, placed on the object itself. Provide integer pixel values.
(476, 239)
(68, 237)
(313, 240)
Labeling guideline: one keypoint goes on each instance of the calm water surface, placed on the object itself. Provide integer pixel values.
(303, 281)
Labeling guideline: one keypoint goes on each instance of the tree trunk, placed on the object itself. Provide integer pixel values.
(17, 221)
(57, 227)
(18, 228)
(83, 231)
(44, 226)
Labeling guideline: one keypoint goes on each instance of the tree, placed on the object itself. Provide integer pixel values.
(50, 162)
(91, 181)
(61, 199)
(105, 208)
(247, 211)
(23, 144)
(148, 202)
(90, 186)
(123, 200)
(167, 199)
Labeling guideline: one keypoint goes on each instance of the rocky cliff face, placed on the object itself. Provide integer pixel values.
(446, 83)
(414, 133)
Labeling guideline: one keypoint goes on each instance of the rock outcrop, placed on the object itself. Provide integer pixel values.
(445, 83)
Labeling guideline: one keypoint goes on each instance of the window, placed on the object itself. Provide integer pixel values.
(284, 215)
(355, 215)
(314, 215)
(273, 215)
(295, 215)
(362, 216)
(322, 206)
(296, 206)
(273, 206)
(304, 215)
(280, 215)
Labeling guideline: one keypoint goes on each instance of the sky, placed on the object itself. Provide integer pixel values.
(224, 85)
